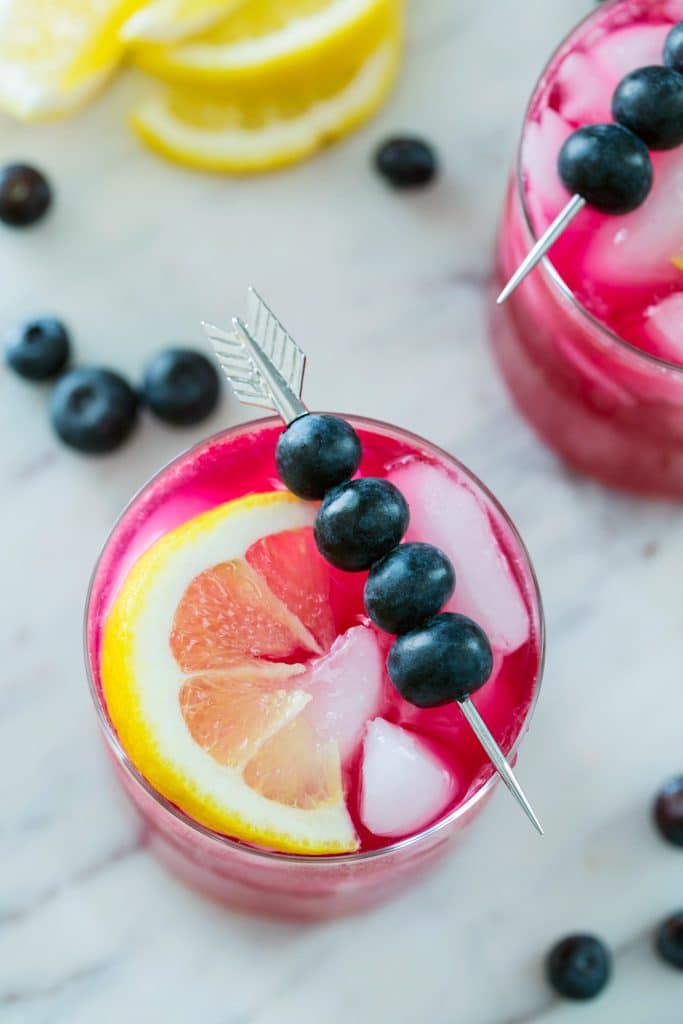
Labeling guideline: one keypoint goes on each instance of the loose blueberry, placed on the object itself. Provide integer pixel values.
(181, 386)
(359, 522)
(673, 48)
(444, 660)
(669, 940)
(408, 586)
(608, 165)
(579, 967)
(25, 195)
(38, 349)
(668, 811)
(93, 410)
(406, 162)
(316, 453)
(649, 102)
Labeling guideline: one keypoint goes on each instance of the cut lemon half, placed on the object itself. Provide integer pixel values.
(265, 41)
(167, 21)
(199, 669)
(201, 131)
(53, 56)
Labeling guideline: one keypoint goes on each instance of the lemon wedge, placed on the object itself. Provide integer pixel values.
(54, 56)
(264, 41)
(199, 674)
(201, 131)
(167, 21)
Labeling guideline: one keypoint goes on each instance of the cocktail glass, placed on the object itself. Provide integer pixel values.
(591, 344)
(240, 461)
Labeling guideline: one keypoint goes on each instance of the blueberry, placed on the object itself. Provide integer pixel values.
(406, 162)
(669, 940)
(673, 48)
(668, 811)
(408, 586)
(579, 967)
(608, 165)
(315, 453)
(38, 349)
(649, 102)
(25, 195)
(93, 410)
(181, 386)
(359, 522)
(446, 659)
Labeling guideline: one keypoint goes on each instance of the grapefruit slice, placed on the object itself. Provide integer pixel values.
(194, 677)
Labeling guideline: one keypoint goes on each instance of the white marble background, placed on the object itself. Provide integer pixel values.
(387, 294)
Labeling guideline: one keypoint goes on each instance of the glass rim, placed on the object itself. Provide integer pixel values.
(461, 811)
(545, 265)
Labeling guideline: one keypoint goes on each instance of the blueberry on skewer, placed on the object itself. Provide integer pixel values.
(649, 102)
(604, 165)
(360, 521)
(393, 601)
(673, 48)
(315, 453)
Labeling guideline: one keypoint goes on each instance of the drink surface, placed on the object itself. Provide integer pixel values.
(400, 768)
(625, 270)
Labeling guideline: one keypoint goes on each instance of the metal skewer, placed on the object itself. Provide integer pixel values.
(545, 242)
(266, 367)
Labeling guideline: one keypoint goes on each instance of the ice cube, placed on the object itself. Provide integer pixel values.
(636, 249)
(446, 512)
(664, 327)
(404, 786)
(546, 195)
(627, 49)
(585, 90)
(346, 686)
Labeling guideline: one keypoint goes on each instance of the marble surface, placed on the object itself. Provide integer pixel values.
(388, 295)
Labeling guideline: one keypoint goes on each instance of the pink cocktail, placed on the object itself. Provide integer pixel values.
(412, 778)
(591, 344)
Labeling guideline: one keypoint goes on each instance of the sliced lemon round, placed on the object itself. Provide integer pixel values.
(53, 56)
(201, 131)
(199, 672)
(167, 21)
(268, 42)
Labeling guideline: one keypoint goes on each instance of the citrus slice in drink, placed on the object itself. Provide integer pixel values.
(203, 674)
(262, 40)
(167, 21)
(55, 55)
(204, 130)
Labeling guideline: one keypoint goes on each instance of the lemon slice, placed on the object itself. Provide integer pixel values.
(199, 673)
(53, 55)
(276, 40)
(167, 21)
(202, 132)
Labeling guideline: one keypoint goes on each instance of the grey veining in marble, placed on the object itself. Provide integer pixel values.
(135, 255)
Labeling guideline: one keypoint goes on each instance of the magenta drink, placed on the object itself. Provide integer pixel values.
(591, 344)
(243, 690)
